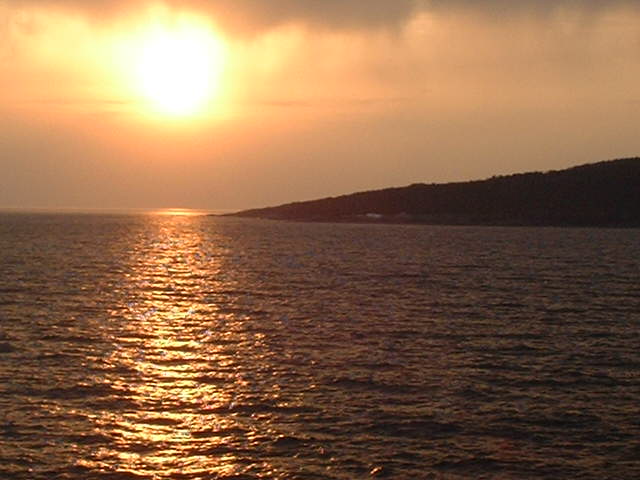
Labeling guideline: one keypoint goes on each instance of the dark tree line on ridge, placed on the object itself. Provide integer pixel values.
(599, 194)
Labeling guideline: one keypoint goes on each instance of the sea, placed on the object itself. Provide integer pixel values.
(189, 347)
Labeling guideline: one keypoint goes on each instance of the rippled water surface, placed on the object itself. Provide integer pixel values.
(175, 347)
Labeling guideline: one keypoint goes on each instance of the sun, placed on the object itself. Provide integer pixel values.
(178, 68)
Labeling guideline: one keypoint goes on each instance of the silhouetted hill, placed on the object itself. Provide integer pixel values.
(600, 194)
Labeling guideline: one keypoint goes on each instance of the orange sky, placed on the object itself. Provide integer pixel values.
(246, 103)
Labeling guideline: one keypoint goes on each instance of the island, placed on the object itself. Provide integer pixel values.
(603, 194)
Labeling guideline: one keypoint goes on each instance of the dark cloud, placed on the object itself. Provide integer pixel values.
(331, 13)
(255, 15)
(530, 5)
(251, 16)
(259, 14)
(537, 8)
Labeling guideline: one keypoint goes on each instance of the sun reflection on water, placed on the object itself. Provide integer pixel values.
(172, 363)
(181, 212)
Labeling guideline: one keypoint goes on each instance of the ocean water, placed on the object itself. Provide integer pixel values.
(193, 347)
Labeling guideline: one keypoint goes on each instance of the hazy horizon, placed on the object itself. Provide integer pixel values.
(222, 106)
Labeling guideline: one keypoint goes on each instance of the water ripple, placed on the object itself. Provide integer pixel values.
(158, 347)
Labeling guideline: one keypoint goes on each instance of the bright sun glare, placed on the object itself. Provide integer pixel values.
(178, 68)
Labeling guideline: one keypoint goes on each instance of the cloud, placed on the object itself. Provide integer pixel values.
(504, 9)
(251, 16)
(511, 5)
(329, 13)
(255, 15)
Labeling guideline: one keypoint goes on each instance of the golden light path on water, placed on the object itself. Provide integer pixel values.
(175, 362)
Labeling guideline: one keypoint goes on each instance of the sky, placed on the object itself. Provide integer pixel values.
(232, 104)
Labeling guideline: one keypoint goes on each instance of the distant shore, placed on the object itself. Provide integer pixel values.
(604, 194)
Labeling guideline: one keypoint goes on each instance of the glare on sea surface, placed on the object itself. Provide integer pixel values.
(166, 364)
(180, 212)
